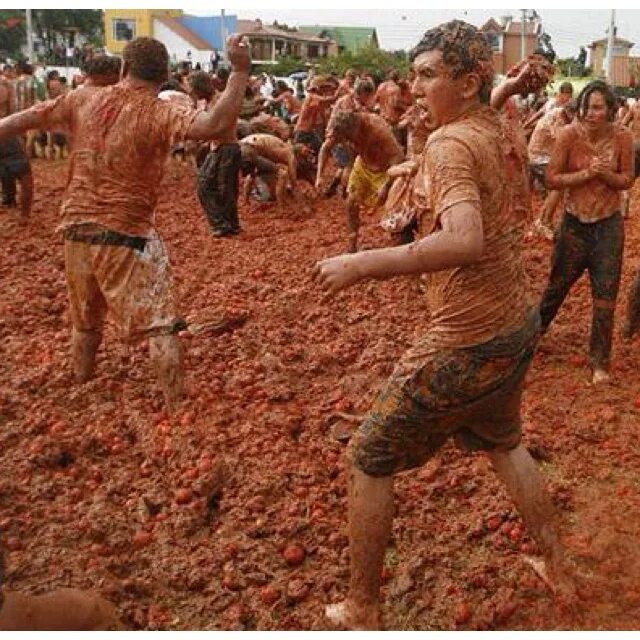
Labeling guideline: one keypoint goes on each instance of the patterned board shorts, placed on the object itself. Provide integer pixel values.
(470, 393)
(133, 285)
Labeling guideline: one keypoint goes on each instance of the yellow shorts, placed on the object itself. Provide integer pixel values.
(364, 184)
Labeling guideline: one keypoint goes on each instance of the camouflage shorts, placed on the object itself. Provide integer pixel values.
(471, 393)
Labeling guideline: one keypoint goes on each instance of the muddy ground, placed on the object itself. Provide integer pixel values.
(99, 489)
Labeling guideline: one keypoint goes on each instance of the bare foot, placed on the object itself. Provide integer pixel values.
(559, 579)
(600, 376)
(347, 616)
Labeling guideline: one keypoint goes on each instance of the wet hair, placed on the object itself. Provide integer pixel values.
(171, 85)
(201, 84)
(394, 75)
(52, 75)
(364, 86)
(566, 87)
(102, 65)
(464, 49)
(345, 121)
(146, 59)
(222, 73)
(25, 67)
(601, 87)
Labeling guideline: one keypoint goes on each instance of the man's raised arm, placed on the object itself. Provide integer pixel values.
(222, 119)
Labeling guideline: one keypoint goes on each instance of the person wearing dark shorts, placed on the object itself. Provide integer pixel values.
(15, 167)
(592, 160)
(218, 185)
(464, 378)
(428, 399)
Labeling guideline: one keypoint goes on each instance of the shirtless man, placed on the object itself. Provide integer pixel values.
(114, 259)
(389, 100)
(347, 84)
(279, 152)
(464, 377)
(55, 142)
(540, 148)
(377, 149)
(593, 161)
(14, 163)
(361, 99)
(218, 176)
(26, 87)
(291, 104)
(310, 126)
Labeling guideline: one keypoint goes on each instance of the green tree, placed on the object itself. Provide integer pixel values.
(376, 62)
(53, 25)
(12, 32)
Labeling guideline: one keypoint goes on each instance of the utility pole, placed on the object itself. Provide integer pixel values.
(223, 35)
(610, 45)
(29, 37)
(523, 45)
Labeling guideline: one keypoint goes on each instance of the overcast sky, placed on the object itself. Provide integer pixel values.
(402, 28)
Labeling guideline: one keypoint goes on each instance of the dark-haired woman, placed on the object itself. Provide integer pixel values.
(593, 161)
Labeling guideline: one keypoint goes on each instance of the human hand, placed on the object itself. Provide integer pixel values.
(531, 74)
(335, 274)
(598, 167)
(239, 54)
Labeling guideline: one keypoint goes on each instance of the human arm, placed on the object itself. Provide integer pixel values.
(458, 243)
(528, 76)
(325, 150)
(623, 178)
(46, 116)
(626, 121)
(222, 119)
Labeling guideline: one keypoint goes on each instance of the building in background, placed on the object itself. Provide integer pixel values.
(625, 66)
(506, 40)
(123, 25)
(350, 39)
(270, 42)
(194, 38)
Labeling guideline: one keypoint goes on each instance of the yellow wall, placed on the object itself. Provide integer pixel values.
(144, 24)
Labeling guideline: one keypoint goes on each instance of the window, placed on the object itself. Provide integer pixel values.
(494, 40)
(313, 51)
(124, 30)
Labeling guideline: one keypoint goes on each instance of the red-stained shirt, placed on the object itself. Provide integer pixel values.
(121, 138)
(467, 161)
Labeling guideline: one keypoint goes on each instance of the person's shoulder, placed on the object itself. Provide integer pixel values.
(572, 131)
(622, 132)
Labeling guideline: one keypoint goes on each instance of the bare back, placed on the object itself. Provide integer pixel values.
(375, 143)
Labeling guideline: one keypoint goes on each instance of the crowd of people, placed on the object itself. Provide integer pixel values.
(445, 156)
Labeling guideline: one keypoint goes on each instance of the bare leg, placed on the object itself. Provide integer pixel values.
(166, 355)
(84, 345)
(353, 222)
(370, 520)
(519, 472)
